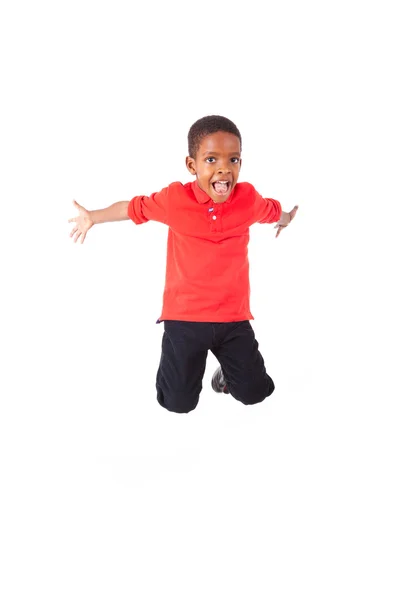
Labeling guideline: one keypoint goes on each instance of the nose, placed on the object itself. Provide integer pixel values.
(224, 169)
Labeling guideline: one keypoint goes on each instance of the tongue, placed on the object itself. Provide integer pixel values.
(221, 188)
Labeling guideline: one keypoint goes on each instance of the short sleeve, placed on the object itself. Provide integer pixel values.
(149, 208)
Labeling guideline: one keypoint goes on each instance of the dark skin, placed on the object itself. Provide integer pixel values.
(218, 159)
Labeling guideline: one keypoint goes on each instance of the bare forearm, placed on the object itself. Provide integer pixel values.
(116, 212)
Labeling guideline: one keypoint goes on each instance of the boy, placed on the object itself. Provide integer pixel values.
(206, 297)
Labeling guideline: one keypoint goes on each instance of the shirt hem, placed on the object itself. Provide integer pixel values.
(205, 318)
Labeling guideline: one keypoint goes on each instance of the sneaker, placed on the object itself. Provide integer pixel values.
(218, 382)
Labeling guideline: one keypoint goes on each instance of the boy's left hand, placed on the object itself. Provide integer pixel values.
(286, 218)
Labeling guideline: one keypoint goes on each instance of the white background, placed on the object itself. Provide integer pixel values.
(104, 494)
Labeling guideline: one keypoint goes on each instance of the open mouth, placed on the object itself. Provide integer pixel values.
(221, 187)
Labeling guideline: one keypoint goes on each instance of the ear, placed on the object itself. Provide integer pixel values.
(240, 164)
(191, 165)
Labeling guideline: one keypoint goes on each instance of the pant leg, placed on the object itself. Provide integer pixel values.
(242, 363)
(183, 361)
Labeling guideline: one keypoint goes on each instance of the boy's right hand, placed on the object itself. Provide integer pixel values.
(83, 222)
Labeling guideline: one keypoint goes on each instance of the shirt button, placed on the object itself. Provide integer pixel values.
(214, 217)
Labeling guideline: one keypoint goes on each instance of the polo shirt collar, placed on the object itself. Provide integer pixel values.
(202, 197)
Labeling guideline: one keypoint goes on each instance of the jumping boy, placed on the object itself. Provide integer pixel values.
(206, 304)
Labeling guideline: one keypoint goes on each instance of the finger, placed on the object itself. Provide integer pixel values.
(77, 236)
(83, 238)
(71, 220)
(73, 231)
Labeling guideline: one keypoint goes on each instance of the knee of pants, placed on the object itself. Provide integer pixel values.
(254, 394)
(178, 402)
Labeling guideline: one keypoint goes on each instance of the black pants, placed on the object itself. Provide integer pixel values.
(185, 346)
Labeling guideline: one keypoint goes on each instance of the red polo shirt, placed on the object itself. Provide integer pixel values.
(207, 274)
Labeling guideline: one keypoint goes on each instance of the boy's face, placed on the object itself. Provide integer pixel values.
(217, 165)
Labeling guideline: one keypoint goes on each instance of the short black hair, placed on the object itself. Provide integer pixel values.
(206, 126)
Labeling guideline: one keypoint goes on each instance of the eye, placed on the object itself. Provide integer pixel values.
(210, 158)
(235, 160)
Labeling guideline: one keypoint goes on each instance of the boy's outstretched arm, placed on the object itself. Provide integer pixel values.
(286, 218)
(86, 219)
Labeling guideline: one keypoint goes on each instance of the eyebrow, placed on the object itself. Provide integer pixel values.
(217, 153)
